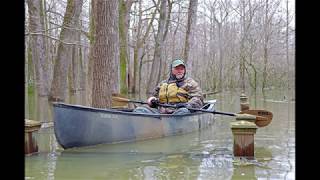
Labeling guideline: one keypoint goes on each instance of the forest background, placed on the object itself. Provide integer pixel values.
(82, 51)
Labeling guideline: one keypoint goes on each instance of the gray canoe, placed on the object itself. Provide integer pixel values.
(77, 126)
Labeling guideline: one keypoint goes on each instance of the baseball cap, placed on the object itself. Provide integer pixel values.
(178, 62)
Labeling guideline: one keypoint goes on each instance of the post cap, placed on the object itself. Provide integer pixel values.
(243, 124)
(29, 123)
(243, 95)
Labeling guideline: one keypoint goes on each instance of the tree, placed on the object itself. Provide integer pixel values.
(92, 28)
(67, 38)
(192, 21)
(75, 73)
(173, 49)
(246, 21)
(37, 45)
(138, 48)
(105, 53)
(39, 59)
(219, 21)
(270, 9)
(287, 42)
(159, 41)
(124, 9)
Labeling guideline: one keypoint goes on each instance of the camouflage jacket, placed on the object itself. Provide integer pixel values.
(195, 95)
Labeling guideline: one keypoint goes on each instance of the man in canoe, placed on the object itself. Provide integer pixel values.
(178, 90)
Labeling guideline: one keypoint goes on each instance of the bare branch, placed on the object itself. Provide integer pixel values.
(67, 43)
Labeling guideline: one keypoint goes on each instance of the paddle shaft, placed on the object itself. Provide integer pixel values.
(135, 101)
(194, 109)
(202, 110)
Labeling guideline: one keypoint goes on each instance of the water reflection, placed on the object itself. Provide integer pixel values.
(142, 160)
(244, 172)
(200, 155)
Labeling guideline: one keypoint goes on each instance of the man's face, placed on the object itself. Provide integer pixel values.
(178, 71)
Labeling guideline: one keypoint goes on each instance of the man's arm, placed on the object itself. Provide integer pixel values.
(155, 92)
(195, 93)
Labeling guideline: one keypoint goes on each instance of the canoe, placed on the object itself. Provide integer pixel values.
(78, 126)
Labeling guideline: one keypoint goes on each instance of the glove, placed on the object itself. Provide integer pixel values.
(183, 105)
(154, 103)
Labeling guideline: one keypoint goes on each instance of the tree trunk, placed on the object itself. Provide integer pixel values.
(173, 50)
(220, 85)
(139, 45)
(220, 22)
(124, 10)
(92, 11)
(265, 48)
(242, 63)
(26, 80)
(41, 64)
(67, 40)
(265, 63)
(48, 44)
(74, 76)
(287, 43)
(36, 24)
(212, 51)
(32, 90)
(137, 49)
(192, 21)
(106, 53)
(82, 77)
(156, 64)
(254, 85)
(163, 71)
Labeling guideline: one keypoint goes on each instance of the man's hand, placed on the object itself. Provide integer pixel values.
(153, 102)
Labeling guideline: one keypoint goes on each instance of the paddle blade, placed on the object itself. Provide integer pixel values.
(119, 101)
(263, 117)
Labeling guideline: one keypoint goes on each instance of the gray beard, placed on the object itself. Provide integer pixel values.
(179, 76)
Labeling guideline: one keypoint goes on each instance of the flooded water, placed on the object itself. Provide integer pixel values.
(207, 154)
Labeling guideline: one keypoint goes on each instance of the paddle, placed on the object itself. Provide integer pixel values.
(260, 113)
(122, 99)
(261, 117)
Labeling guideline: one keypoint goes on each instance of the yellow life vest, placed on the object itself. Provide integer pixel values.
(171, 93)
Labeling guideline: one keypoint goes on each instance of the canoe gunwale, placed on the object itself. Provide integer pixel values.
(113, 111)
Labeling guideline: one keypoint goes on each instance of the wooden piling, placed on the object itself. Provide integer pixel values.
(31, 128)
(243, 132)
(244, 104)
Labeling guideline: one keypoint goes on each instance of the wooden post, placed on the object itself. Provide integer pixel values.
(244, 104)
(243, 131)
(30, 133)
